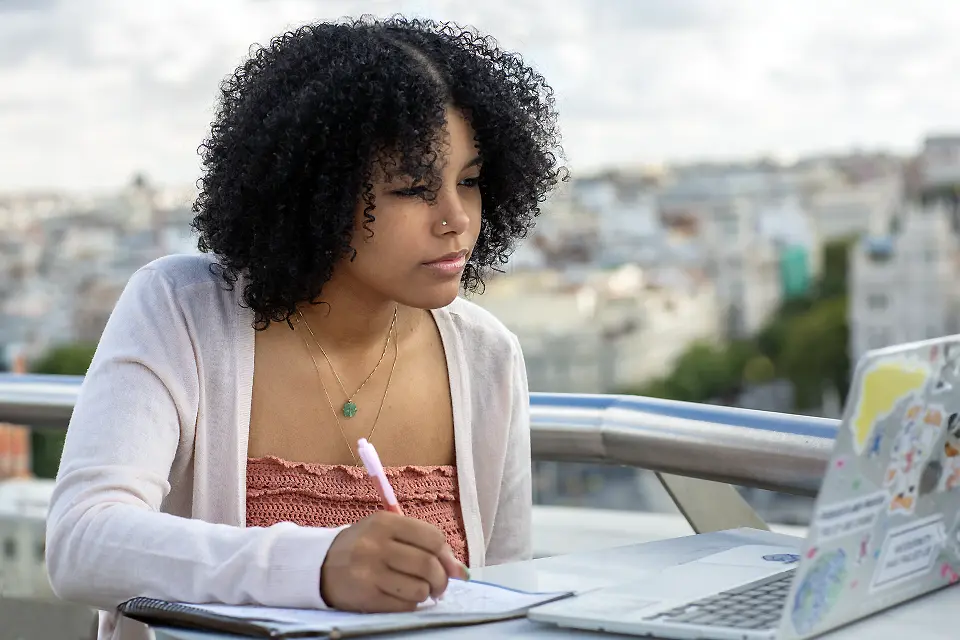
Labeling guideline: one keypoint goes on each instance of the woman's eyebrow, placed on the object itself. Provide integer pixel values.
(473, 163)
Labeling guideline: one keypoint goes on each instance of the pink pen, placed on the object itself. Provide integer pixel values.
(375, 470)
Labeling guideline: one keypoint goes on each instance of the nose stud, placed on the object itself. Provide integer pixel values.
(443, 223)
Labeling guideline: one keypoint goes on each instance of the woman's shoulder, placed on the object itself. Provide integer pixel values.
(188, 279)
(183, 270)
(180, 291)
(480, 328)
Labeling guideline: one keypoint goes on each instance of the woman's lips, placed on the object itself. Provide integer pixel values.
(449, 264)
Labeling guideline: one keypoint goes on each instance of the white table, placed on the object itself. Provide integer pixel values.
(935, 617)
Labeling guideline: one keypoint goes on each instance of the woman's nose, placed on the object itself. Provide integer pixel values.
(452, 215)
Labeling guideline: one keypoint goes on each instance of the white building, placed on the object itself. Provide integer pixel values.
(745, 265)
(552, 318)
(92, 243)
(603, 331)
(904, 286)
(677, 308)
(940, 162)
(23, 512)
(20, 211)
(565, 233)
(845, 209)
(744, 216)
(61, 275)
(626, 217)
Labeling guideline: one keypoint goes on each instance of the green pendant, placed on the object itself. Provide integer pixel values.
(349, 409)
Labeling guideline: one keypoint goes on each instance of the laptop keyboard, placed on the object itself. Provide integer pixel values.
(758, 605)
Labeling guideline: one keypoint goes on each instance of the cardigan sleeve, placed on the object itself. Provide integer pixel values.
(511, 538)
(107, 539)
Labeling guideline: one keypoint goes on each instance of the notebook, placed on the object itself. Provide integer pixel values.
(464, 603)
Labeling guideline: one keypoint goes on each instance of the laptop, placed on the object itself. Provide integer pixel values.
(885, 527)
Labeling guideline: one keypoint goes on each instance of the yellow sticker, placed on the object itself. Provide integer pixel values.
(884, 385)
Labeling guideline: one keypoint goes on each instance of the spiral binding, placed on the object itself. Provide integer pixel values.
(152, 611)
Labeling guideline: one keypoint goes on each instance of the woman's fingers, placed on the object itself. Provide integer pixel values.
(408, 589)
(417, 563)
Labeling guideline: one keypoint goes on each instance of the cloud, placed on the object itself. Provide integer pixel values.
(94, 91)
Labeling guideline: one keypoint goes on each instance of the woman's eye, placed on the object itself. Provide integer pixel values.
(421, 190)
(412, 192)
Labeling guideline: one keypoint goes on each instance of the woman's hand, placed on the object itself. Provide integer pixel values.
(387, 563)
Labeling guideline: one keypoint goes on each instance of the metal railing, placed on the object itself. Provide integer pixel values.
(782, 452)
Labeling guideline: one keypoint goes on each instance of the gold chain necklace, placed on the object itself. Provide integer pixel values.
(383, 400)
(349, 408)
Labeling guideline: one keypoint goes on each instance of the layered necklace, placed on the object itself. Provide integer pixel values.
(349, 408)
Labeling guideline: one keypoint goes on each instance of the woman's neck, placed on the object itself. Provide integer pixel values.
(350, 317)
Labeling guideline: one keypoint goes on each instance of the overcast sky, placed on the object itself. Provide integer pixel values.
(92, 91)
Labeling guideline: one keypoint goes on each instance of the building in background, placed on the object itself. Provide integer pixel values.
(939, 165)
(905, 284)
(745, 265)
(850, 209)
(595, 332)
(64, 262)
(23, 513)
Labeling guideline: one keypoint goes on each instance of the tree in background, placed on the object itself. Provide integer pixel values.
(773, 336)
(700, 372)
(815, 355)
(47, 445)
(806, 342)
(66, 360)
(833, 281)
(704, 372)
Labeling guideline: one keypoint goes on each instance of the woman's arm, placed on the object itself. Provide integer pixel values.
(106, 538)
(511, 539)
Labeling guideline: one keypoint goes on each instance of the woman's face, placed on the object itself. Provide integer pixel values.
(419, 249)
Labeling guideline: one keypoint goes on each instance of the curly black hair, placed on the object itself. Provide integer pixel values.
(306, 124)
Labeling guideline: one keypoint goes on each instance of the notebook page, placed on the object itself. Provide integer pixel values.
(480, 598)
(462, 599)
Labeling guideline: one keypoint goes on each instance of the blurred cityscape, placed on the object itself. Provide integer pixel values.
(753, 284)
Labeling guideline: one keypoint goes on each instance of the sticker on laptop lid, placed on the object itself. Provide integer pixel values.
(849, 517)
(884, 386)
(911, 450)
(949, 368)
(909, 552)
(863, 548)
(818, 591)
(948, 478)
(949, 574)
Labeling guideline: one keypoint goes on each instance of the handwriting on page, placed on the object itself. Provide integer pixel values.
(477, 598)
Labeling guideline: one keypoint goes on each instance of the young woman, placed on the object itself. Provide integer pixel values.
(357, 175)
